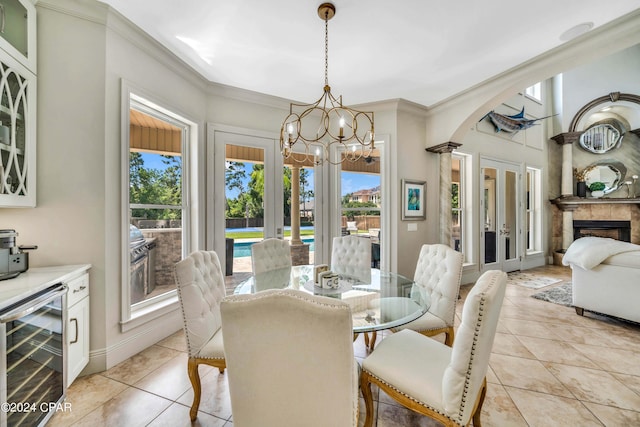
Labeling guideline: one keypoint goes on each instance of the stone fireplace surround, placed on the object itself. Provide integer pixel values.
(595, 210)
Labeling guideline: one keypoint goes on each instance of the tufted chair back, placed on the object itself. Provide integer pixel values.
(270, 254)
(351, 255)
(438, 272)
(290, 359)
(471, 350)
(201, 287)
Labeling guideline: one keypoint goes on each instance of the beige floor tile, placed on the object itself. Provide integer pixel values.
(614, 417)
(176, 341)
(545, 410)
(528, 328)
(631, 381)
(612, 359)
(491, 376)
(132, 370)
(508, 344)
(597, 386)
(85, 395)
(499, 410)
(555, 351)
(527, 374)
(398, 416)
(170, 380)
(131, 408)
(214, 399)
(177, 415)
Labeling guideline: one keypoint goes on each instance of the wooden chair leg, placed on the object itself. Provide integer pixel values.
(194, 377)
(476, 414)
(366, 339)
(448, 337)
(372, 342)
(365, 386)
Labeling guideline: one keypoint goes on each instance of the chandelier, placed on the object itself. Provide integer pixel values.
(314, 131)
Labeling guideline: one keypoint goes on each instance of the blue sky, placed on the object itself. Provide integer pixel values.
(350, 181)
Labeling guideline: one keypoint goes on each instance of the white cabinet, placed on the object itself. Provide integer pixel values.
(17, 104)
(77, 326)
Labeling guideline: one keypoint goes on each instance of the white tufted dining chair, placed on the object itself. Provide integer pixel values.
(445, 383)
(351, 255)
(290, 360)
(271, 256)
(201, 287)
(438, 272)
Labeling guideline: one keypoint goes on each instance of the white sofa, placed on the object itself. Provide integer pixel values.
(605, 277)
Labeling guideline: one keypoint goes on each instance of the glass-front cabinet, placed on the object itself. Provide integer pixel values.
(17, 104)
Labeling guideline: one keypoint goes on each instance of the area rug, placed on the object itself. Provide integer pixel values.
(558, 294)
(533, 281)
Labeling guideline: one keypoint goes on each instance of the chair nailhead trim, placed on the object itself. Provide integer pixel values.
(473, 347)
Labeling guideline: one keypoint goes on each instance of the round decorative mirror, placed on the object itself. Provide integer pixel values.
(610, 173)
(603, 136)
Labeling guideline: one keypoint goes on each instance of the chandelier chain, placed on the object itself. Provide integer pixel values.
(326, 48)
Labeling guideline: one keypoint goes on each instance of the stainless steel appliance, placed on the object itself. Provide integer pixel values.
(142, 267)
(13, 259)
(32, 366)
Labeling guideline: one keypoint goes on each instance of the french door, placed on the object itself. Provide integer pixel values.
(259, 180)
(500, 204)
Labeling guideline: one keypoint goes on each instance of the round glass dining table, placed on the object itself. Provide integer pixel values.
(378, 299)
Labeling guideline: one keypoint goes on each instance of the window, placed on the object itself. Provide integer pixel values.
(534, 91)
(533, 210)
(156, 216)
(460, 217)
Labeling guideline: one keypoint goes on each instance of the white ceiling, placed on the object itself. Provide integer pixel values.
(419, 50)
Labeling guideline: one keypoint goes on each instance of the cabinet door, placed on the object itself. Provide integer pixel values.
(77, 338)
(17, 134)
(18, 31)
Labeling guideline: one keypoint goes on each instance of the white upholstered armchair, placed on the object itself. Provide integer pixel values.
(290, 360)
(438, 272)
(201, 287)
(445, 383)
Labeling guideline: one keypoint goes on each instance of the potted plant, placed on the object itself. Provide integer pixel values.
(597, 189)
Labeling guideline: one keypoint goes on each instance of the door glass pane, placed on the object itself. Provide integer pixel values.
(510, 213)
(490, 209)
(244, 205)
(361, 201)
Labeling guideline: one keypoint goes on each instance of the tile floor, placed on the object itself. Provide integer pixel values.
(549, 367)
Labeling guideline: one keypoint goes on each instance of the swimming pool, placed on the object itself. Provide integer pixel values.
(242, 249)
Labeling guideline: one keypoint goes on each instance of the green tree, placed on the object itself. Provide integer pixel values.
(154, 186)
(304, 182)
(234, 177)
(255, 198)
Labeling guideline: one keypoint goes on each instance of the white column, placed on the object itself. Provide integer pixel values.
(445, 188)
(566, 186)
(295, 206)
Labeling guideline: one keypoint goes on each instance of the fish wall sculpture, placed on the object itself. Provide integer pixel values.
(511, 124)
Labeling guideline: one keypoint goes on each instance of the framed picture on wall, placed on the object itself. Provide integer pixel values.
(413, 200)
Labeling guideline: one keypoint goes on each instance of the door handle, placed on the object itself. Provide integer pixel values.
(75, 340)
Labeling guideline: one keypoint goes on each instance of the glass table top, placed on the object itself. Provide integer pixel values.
(378, 299)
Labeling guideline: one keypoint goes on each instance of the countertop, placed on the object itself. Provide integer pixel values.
(36, 279)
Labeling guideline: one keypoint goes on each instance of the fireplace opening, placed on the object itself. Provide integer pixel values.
(619, 230)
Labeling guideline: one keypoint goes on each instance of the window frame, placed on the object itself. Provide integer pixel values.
(134, 315)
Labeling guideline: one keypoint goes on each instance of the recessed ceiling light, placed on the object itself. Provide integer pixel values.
(576, 31)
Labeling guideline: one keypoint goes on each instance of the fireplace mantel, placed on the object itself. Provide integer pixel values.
(572, 203)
